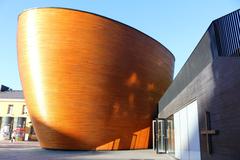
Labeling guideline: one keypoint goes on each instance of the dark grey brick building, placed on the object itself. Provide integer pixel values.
(199, 115)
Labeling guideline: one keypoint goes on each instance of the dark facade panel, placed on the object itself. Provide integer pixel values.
(228, 34)
(216, 89)
(221, 39)
(202, 55)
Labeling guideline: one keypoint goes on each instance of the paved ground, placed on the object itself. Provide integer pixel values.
(32, 151)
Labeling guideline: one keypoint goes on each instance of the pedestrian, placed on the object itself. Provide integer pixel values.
(13, 137)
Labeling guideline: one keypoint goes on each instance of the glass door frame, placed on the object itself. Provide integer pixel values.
(170, 141)
(159, 135)
(162, 135)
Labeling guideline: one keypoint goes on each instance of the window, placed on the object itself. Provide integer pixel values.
(10, 109)
(24, 109)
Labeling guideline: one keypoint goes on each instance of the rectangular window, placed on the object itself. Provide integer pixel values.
(10, 109)
(24, 109)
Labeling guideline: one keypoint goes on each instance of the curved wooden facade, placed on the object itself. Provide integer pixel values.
(90, 82)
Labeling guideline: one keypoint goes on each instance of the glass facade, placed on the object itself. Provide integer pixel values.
(163, 132)
(170, 135)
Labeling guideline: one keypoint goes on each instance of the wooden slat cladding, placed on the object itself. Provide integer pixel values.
(90, 82)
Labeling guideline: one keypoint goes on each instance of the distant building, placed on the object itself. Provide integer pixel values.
(14, 116)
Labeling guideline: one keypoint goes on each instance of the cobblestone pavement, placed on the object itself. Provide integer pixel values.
(32, 151)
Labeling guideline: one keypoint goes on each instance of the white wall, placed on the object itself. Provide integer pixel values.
(186, 132)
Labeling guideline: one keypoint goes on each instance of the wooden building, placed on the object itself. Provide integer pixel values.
(90, 82)
(199, 114)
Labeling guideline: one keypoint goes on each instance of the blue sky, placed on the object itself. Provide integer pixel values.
(178, 25)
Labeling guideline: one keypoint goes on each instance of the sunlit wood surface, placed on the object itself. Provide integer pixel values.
(90, 82)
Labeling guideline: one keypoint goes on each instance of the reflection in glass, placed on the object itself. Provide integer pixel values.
(170, 135)
(159, 135)
(163, 135)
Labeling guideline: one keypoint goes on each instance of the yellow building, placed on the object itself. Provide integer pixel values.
(14, 118)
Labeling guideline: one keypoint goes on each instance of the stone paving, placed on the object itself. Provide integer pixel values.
(32, 151)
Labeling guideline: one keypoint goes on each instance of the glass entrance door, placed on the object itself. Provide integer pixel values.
(161, 144)
(159, 135)
(170, 135)
(163, 135)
